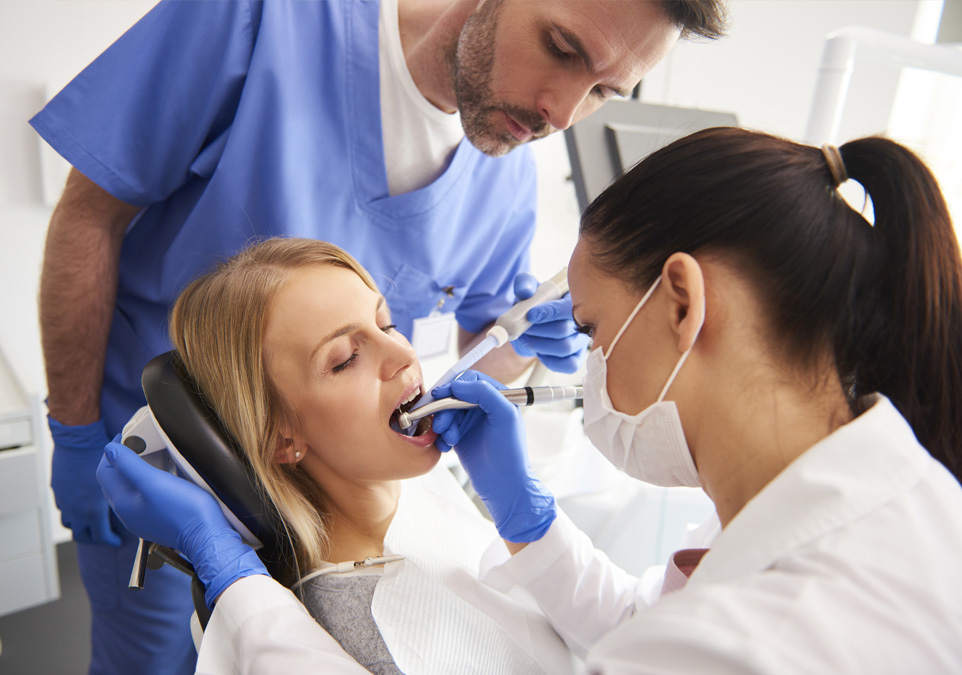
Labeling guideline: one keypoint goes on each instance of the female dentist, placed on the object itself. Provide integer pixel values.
(756, 336)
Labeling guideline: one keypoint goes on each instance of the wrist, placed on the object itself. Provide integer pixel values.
(80, 436)
(246, 564)
(515, 547)
(72, 412)
(530, 515)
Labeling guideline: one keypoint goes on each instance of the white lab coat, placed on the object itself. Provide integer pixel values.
(436, 617)
(260, 627)
(847, 562)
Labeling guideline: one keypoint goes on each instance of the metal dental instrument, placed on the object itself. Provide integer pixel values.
(520, 396)
(509, 326)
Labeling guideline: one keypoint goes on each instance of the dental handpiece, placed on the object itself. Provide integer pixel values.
(520, 396)
(509, 326)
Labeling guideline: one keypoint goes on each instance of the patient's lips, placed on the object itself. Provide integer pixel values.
(423, 438)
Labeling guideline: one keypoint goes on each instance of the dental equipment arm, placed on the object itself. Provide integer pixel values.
(522, 396)
(489, 439)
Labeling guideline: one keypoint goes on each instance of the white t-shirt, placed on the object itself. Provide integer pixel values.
(419, 140)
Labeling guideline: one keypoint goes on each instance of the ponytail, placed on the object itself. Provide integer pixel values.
(908, 345)
(885, 299)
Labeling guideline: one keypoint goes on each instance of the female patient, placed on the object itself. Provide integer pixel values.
(292, 344)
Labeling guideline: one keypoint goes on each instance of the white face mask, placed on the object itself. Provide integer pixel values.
(649, 446)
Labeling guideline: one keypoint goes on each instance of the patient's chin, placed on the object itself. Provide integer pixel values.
(423, 461)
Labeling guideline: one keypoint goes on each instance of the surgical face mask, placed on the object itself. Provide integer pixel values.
(649, 446)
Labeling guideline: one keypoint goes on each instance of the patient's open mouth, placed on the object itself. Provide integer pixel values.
(421, 427)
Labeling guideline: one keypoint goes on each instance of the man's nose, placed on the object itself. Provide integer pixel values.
(560, 107)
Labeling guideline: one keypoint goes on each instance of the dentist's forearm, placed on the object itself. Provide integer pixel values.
(78, 288)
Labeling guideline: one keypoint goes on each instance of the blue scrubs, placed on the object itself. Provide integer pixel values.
(232, 121)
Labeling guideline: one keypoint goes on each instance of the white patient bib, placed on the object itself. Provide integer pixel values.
(434, 614)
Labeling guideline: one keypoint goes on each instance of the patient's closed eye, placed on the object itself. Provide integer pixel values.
(346, 364)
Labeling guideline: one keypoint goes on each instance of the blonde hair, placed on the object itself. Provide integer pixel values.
(217, 326)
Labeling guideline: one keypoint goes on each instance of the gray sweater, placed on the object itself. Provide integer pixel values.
(342, 606)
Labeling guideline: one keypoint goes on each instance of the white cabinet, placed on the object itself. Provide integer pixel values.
(28, 563)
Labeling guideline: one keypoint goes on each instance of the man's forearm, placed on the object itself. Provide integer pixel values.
(78, 288)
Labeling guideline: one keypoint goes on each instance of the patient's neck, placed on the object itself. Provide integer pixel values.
(361, 517)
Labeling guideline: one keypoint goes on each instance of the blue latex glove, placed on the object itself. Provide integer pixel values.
(162, 508)
(553, 337)
(490, 442)
(77, 451)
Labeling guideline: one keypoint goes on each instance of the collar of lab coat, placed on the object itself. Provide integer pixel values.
(856, 469)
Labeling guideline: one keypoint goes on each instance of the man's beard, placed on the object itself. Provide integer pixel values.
(472, 61)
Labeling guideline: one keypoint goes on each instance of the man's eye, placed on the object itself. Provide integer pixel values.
(388, 328)
(555, 50)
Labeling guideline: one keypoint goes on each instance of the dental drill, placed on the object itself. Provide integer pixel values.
(520, 396)
(509, 326)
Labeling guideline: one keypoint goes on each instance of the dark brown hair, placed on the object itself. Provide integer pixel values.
(697, 18)
(885, 300)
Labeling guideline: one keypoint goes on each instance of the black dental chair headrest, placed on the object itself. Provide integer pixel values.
(199, 436)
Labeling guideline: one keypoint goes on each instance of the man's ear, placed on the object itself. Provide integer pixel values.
(684, 282)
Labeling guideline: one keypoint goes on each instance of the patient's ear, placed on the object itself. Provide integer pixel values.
(290, 449)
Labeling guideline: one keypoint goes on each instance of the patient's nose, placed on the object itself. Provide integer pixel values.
(398, 356)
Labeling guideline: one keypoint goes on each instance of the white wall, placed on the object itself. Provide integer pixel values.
(764, 72)
(42, 43)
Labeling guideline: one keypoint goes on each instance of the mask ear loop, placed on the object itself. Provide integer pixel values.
(624, 326)
(684, 357)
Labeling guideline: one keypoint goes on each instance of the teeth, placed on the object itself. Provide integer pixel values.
(414, 395)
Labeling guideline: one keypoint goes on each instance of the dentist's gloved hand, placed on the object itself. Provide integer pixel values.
(490, 442)
(553, 337)
(77, 451)
(162, 508)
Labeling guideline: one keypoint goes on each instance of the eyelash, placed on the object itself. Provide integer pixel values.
(341, 367)
(554, 50)
(586, 329)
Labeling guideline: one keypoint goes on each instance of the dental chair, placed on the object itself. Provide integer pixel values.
(177, 431)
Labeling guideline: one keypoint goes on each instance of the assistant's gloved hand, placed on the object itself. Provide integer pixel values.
(553, 337)
(490, 442)
(162, 508)
(77, 451)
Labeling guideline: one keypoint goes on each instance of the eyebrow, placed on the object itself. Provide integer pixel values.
(575, 43)
(343, 330)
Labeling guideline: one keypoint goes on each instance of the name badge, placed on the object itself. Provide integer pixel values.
(431, 335)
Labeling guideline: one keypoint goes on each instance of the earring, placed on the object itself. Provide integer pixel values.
(297, 455)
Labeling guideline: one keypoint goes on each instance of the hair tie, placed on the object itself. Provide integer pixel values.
(835, 164)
